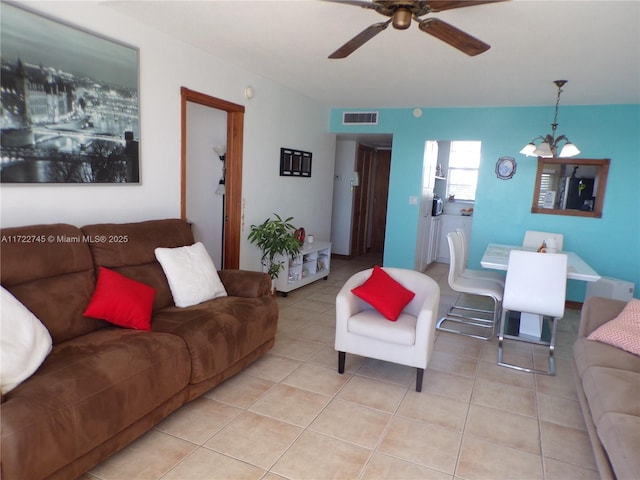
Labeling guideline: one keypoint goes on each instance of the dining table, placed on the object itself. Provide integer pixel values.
(496, 257)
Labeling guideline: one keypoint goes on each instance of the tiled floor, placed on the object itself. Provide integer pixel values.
(292, 416)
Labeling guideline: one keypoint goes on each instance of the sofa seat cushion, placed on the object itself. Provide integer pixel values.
(611, 390)
(87, 390)
(588, 353)
(620, 437)
(221, 331)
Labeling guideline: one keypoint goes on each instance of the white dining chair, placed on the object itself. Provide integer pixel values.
(472, 321)
(536, 283)
(466, 272)
(533, 239)
(362, 330)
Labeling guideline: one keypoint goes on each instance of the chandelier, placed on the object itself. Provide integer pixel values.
(549, 146)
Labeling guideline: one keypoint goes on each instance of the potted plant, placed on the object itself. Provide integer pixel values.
(275, 238)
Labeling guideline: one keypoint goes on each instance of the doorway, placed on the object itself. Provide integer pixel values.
(369, 218)
(233, 184)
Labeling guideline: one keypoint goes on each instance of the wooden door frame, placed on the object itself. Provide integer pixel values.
(233, 181)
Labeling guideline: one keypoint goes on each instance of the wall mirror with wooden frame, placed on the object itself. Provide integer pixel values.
(570, 186)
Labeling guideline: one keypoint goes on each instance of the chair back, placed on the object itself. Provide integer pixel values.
(536, 283)
(534, 239)
(464, 248)
(455, 259)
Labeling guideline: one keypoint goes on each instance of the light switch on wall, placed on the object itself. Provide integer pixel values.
(413, 200)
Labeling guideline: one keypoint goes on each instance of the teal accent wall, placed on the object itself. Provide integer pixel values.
(611, 244)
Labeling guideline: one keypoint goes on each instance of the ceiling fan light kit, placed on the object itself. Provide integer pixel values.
(548, 148)
(401, 12)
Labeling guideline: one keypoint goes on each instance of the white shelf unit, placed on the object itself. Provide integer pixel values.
(313, 263)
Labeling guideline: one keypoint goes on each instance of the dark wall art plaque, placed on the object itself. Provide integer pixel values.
(69, 104)
(295, 163)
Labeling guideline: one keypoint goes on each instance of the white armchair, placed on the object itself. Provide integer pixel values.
(362, 330)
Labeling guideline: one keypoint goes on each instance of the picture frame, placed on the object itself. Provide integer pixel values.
(295, 163)
(70, 104)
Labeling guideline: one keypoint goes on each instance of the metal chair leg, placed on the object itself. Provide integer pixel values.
(551, 345)
(477, 322)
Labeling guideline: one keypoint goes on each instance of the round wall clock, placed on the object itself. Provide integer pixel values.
(505, 167)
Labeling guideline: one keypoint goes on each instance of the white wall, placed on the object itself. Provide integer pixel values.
(343, 196)
(276, 117)
(206, 129)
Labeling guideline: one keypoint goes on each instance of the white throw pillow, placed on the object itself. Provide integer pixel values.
(24, 342)
(191, 274)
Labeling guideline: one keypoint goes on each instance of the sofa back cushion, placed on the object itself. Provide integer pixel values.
(49, 269)
(128, 248)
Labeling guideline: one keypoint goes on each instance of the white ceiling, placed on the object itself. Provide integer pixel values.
(593, 44)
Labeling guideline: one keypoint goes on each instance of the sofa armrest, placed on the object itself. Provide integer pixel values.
(245, 283)
(597, 311)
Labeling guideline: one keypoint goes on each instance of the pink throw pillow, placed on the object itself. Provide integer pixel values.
(623, 331)
(384, 294)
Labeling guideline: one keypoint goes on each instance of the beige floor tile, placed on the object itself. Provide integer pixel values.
(208, 465)
(384, 467)
(295, 348)
(314, 305)
(458, 345)
(566, 444)
(555, 470)
(255, 439)
(504, 397)
(316, 456)
(562, 384)
(327, 356)
(151, 456)
(315, 332)
(272, 367)
(292, 405)
(434, 409)
(351, 423)
(453, 363)
(448, 385)
(506, 428)
(240, 390)
(561, 411)
(199, 420)
(373, 393)
(495, 373)
(426, 445)
(483, 460)
(317, 379)
(388, 372)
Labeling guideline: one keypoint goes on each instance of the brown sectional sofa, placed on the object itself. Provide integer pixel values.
(608, 380)
(102, 386)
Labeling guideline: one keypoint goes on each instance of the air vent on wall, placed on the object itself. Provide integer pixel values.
(360, 118)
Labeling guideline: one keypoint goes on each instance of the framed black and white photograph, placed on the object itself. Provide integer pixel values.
(69, 104)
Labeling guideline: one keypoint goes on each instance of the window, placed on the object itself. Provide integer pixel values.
(547, 193)
(462, 176)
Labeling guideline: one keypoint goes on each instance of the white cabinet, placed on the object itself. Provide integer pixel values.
(312, 263)
(450, 223)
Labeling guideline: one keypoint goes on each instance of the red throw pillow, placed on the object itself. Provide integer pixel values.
(384, 294)
(121, 301)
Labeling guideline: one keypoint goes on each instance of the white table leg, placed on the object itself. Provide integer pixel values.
(531, 324)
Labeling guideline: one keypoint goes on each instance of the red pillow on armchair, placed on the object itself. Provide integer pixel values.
(384, 294)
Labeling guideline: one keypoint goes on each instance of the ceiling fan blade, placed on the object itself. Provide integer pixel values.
(359, 40)
(357, 3)
(440, 5)
(453, 36)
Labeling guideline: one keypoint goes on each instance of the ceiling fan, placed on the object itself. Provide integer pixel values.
(402, 11)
